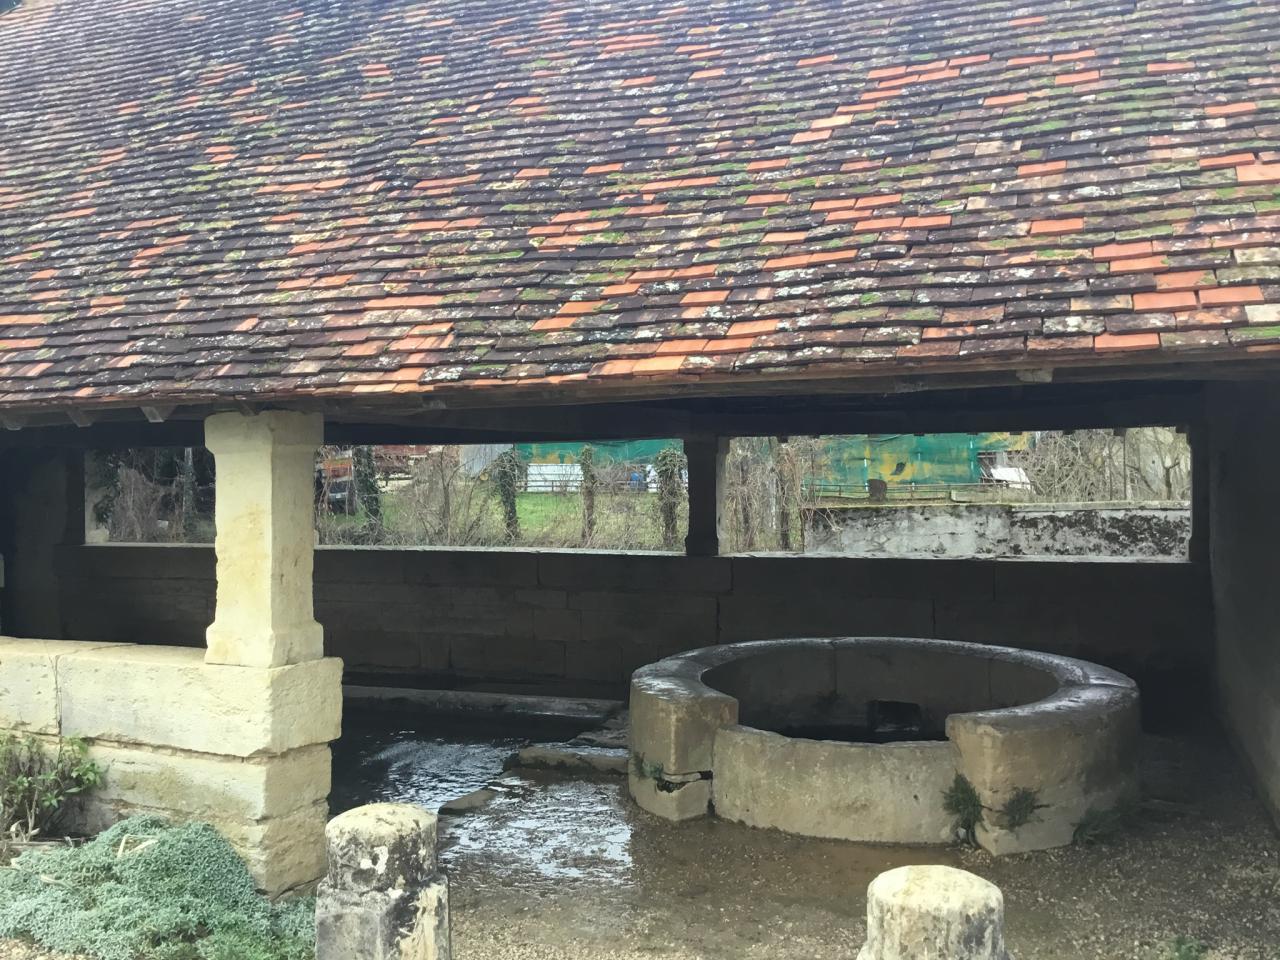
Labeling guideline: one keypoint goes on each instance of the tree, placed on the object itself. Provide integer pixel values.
(589, 483)
(508, 477)
(1151, 463)
(365, 474)
(670, 465)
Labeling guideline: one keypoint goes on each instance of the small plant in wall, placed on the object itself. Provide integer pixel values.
(36, 783)
(644, 769)
(1020, 808)
(961, 800)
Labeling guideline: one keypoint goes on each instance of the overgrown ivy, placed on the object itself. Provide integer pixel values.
(670, 465)
(590, 481)
(508, 473)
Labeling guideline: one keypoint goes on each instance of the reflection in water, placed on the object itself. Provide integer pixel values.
(382, 758)
(547, 827)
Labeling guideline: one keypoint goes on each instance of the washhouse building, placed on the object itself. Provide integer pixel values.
(260, 226)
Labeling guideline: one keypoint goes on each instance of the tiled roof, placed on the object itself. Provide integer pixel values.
(268, 197)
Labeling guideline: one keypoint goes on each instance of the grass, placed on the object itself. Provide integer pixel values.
(625, 520)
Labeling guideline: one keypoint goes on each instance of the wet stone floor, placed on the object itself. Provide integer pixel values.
(562, 866)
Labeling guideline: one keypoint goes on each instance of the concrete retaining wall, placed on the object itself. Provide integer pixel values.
(1150, 531)
(580, 623)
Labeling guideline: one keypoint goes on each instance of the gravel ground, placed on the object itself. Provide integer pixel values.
(556, 868)
(11, 950)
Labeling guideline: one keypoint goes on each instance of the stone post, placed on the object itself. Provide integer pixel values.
(383, 898)
(933, 913)
(706, 457)
(264, 512)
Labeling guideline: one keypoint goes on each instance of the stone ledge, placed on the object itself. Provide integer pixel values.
(29, 684)
(169, 697)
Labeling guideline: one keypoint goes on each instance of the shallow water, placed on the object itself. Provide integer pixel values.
(427, 760)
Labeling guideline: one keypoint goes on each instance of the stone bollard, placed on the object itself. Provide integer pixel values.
(934, 913)
(383, 898)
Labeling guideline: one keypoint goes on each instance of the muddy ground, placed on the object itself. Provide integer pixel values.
(564, 868)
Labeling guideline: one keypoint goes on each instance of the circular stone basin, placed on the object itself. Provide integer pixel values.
(859, 738)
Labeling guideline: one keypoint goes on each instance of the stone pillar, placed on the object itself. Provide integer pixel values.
(914, 913)
(706, 457)
(384, 897)
(264, 512)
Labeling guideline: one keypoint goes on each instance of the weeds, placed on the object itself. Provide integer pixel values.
(1187, 948)
(35, 784)
(1105, 826)
(961, 800)
(1020, 808)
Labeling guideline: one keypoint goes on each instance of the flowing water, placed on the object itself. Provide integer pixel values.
(430, 759)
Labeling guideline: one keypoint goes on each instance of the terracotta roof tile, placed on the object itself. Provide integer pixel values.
(381, 196)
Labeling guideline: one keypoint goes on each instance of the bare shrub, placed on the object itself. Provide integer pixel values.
(1151, 463)
(766, 494)
(442, 505)
(435, 502)
(153, 495)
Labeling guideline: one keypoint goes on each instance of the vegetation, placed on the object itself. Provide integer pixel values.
(152, 495)
(1105, 465)
(590, 483)
(36, 784)
(145, 889)
(508, 476)
(671, 465)
(962, 802)
(448, 496)
(1020, 808)
(368, 494)
(1105, 826)
(1187, 948)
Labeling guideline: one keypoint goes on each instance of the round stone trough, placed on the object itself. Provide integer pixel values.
(859, 738)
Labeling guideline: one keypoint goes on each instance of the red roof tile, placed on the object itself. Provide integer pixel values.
(381, 195)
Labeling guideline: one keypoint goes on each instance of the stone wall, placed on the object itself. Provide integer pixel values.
(243, 748)
(580, 622)
(1245, 537)
(1148, 531)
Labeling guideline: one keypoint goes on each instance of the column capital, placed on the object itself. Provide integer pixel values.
(281, 428)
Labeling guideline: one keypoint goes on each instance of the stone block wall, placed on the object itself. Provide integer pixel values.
(581, 622)
(243, 748)
(1244, 543)
(1148, 531)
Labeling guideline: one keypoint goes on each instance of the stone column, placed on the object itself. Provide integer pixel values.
(706, 457)
(919, 912)
(384, 897)
(265, 542)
